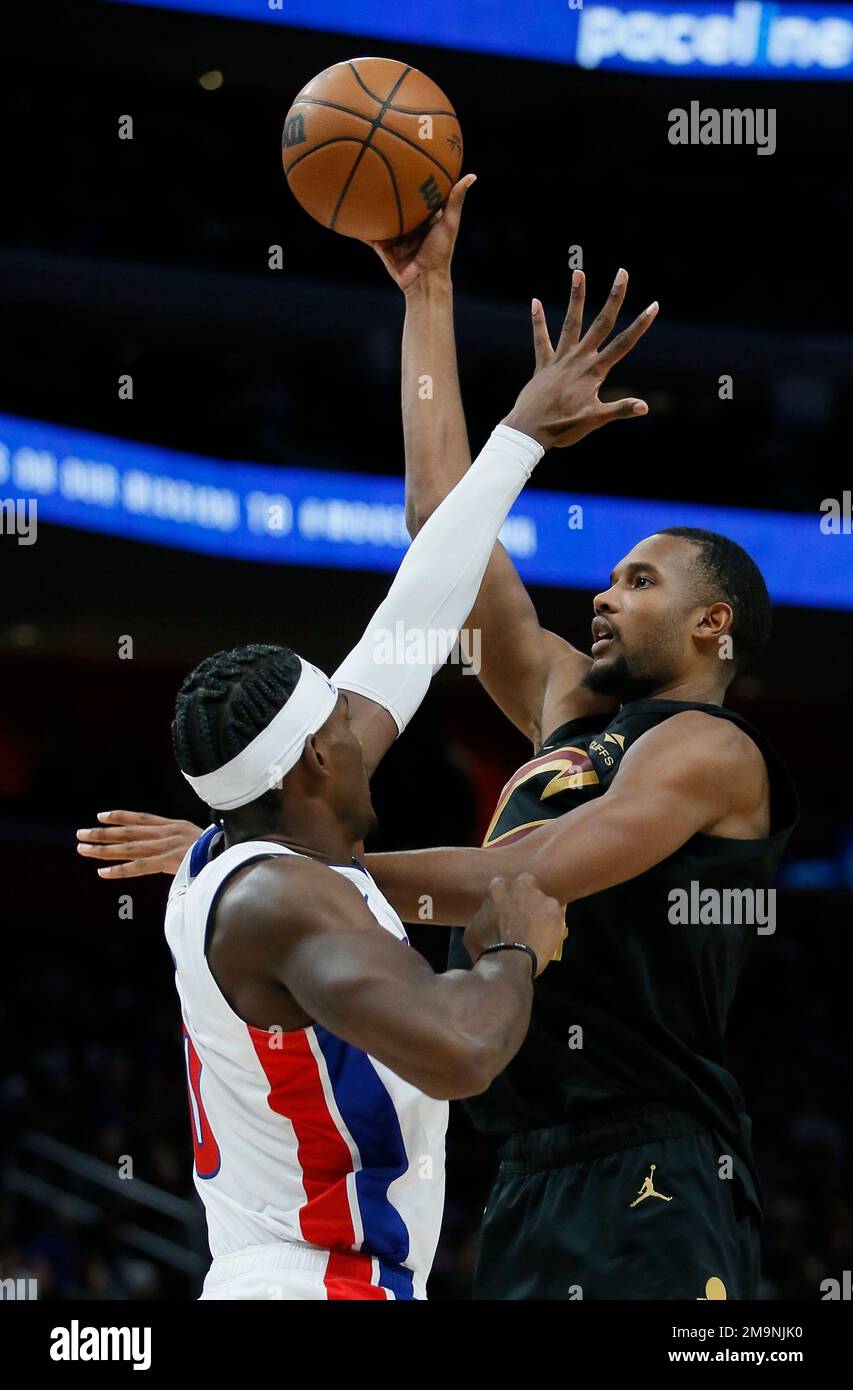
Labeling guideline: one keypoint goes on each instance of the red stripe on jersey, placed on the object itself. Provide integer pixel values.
(296, 1092)
(348, 1277)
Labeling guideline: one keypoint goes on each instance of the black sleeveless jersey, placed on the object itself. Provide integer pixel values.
(635, 1009)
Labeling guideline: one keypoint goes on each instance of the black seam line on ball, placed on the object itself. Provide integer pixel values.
(368, 120)
(363, 85)
(406, 110)
(386, 161)
(357, 140)
(376, 122)
(423, 111)
(332, 140)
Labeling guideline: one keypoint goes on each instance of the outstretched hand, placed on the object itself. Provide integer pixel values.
(428, 248)
(145, 843)
(560, 403)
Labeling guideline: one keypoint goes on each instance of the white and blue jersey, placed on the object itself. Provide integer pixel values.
(321, 1170)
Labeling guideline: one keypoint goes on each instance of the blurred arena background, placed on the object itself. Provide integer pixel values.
(150, 257)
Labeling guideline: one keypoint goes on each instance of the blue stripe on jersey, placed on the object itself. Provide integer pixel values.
(398, 1280)
(368, 1113)
(199, 851)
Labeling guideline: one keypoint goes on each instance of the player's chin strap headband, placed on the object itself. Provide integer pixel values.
(260, 766)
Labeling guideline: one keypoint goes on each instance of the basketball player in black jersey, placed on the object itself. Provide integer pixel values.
(626, 1163)
(626, 1166)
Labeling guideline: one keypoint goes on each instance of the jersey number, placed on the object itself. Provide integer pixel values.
(207, 1158)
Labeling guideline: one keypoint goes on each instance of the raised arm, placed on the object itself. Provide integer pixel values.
(435, 587)
(440, 576)
(532, 674)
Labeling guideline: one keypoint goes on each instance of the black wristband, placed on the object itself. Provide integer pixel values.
(515, 946)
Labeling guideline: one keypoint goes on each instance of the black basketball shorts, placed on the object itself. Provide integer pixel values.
(601, 1210)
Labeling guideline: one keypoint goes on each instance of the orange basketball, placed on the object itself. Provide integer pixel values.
(371, 148)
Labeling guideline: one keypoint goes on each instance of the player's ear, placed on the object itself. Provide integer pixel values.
(315, 756)
(318, 752)
(715, 621)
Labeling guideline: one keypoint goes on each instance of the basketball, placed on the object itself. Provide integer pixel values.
(371, 147)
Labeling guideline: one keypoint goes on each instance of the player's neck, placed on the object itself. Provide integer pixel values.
(319, 837)
(693, 690)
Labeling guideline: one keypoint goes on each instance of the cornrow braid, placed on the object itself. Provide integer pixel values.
(227, 700)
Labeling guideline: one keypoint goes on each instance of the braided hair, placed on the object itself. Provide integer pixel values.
(226, 701)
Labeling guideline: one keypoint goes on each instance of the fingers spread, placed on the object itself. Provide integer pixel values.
(621, 410)
(624, 341)
(571, 330)
(603, 325)
(542, 348)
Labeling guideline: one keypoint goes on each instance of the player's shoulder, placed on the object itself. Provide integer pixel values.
(703, 738)
(284, 890)
(716, 730)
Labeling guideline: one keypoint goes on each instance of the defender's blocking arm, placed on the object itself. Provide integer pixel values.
(533, 675)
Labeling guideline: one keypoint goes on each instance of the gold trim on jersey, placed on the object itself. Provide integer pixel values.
(568, 779)
(568, 775)
(516, 830)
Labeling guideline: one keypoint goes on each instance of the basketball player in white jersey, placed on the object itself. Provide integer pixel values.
(321, 1051)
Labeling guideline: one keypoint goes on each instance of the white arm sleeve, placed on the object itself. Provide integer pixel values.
(413, 631)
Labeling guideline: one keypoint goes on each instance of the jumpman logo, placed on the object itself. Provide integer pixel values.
(648, 1190)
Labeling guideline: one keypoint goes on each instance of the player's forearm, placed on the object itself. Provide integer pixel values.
(434, 430)
(490, 1011)
(455, 1035)
(438, 580)
(448, 1034)
(447, 886)
(596, 847)
(441, 886)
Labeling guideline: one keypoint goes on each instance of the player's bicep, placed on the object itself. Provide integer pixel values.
(349, 973)
(363, 984)
(672, 784)
(372, 725)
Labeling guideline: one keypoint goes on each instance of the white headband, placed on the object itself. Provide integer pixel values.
(260, 766)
